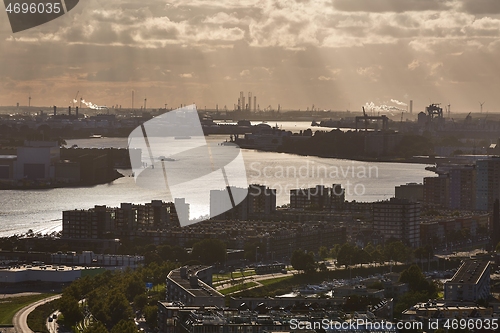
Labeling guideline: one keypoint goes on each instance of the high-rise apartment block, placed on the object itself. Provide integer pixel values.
(488, 183)
(318, 198)
(398, 219)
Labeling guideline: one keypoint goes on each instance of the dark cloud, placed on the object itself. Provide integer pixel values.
(481, 6)
(391, 5)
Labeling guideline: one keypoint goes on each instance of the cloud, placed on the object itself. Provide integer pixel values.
(487, 7)
(414, 65)
(391, 5)
(186, 75)
(245, 72)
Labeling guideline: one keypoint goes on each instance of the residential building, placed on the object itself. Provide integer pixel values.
(470, 283)
(488, 183)
(127, 221)
(398, 219)
(94, 223)
(443, 310)
(436, 191)
(411, 191)
(318, 198)
(192, 286)
(255, 202)
(462, 187)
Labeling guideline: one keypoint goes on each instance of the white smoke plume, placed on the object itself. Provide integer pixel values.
(371, 107)
(90, 104)
(398, 102)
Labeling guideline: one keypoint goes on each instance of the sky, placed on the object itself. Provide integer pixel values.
(333, 54)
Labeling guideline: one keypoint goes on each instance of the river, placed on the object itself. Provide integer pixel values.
(41, 210)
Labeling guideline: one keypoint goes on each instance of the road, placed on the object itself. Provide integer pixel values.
(20, 319)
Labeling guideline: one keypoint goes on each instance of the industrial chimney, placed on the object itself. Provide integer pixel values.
(55, 110)
(69, 110)
(77, 112)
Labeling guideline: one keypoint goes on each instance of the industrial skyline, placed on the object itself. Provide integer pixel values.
(334, 54)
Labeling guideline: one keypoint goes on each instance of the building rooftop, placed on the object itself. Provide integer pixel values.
(199, 288)
(470, 271)
(54, 268)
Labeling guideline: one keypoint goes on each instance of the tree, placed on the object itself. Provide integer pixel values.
(323, 252)
(363, 257)
(209, 251)
(140, 301)
(369, 248)
(397, 251)
(151, 315)
(303, 261)
(124, 326)
(347, 255)
(95, 327)
(70, 309)
(417, 281)
(334, 251)
(119, 307)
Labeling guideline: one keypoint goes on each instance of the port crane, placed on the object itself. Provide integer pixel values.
(365, 118)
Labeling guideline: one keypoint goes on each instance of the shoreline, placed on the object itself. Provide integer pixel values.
(410, 160)
(118, 175)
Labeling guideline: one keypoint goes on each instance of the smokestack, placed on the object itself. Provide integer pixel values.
(69, 110)
(255, 104)
(411, 106)
(77, 112)
(55, 110)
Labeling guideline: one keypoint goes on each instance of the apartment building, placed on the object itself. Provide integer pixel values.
(470, 283)
(398, 219)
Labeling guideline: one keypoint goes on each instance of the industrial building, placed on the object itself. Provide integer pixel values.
(470, 283)
(46, 273)
(89, 258)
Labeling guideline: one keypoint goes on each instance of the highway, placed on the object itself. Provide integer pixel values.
(20, 320)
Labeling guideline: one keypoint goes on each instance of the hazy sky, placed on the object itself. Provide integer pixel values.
(335, 54)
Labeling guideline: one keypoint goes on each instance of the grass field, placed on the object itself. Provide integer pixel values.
(275, 280)
(9, 306)
(236, 275)
(37, 318)
(237, 288)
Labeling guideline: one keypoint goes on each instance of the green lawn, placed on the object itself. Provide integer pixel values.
(275, 280)
(9, 306)
(237, 288)
(236, 275)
